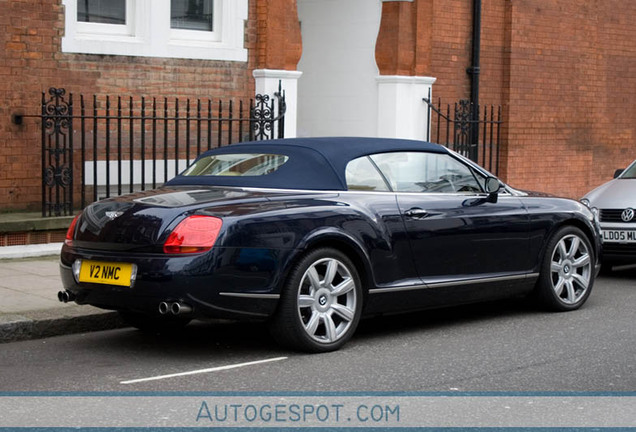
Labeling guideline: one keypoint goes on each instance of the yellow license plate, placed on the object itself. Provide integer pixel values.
(106, 273)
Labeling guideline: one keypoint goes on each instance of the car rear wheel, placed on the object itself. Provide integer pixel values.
(321, 303)
(567, 271)
(154, 324)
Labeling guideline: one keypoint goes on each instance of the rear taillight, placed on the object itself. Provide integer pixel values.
(70, 233)
(194, 234)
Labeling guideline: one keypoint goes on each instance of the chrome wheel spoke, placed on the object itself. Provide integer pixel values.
(330, 274)
(331, 334)
(571, 297)
(582, 261)
(306, 301)
(312, 324)
(562, 250)
(558, 288)
(582, 281)
(556, 267)
(574, 247)
(314, 278)
(344, 287)
(343, 311)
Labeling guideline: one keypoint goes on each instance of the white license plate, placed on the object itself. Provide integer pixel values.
(619, 236)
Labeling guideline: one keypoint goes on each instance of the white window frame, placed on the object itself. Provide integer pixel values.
(194, 36)
(147, 33)
(90, 28)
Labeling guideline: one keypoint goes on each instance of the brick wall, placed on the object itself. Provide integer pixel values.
(31, 61)
(451, 49)
(556, 93)
(563, 71)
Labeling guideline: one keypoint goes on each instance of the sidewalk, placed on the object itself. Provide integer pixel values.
(29, 308)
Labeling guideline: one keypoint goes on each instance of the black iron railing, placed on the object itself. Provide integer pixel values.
(128, 144)
(456, 128)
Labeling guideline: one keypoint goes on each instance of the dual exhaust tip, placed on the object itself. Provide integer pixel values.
(165, 308)
(174, 308)
(65, 296)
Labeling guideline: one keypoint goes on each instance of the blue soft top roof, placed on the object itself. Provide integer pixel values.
(314, 163)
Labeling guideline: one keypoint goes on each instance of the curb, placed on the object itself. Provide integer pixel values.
(30, 251)
(56, 322)
(19, 222)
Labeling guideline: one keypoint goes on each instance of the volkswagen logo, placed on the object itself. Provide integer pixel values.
(627, 215)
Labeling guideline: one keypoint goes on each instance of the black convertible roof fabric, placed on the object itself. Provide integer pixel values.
(314, 163)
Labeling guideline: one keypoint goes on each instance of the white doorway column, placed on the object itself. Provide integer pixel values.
(267, 82)
(402, 113)
(338, 92)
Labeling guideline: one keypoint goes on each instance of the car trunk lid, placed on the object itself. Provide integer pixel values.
(142, 221)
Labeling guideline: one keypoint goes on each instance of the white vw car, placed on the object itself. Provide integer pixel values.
(615, 202)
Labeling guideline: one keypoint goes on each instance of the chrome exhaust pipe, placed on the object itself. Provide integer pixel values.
(180, 308)
(164, 308)
(65, 296)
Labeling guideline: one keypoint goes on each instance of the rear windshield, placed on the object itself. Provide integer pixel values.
(239, 164)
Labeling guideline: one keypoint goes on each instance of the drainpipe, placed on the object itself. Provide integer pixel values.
(473, 71)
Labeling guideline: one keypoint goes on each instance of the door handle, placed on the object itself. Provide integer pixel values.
(416, 213)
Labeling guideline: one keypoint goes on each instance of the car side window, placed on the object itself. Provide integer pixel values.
(361, 174)
(427, 172)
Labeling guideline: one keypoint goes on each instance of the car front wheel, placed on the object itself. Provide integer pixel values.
(567, 270)
(321, 304)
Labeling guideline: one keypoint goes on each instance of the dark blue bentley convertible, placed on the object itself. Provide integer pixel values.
(309, 235)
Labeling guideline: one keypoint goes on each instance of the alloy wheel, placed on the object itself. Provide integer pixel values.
(570, 269)
(327, 300)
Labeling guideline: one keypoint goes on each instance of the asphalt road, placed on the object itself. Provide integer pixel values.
(502, 346)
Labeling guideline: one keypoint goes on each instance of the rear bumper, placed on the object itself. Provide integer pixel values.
(233, 290)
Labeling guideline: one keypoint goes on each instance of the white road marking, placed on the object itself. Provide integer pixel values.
(201, 371)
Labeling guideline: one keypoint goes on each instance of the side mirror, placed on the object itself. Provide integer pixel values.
(492, 187)
(618, 172)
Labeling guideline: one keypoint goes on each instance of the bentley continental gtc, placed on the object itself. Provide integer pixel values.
(308, 235)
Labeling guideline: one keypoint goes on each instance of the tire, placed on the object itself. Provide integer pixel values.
(154, 324)
(567, 271)
(321, 303)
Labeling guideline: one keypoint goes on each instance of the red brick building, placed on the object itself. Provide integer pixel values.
(564, 72)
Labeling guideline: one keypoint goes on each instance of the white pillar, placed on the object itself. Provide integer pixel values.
(267, 83)
(401, 111)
